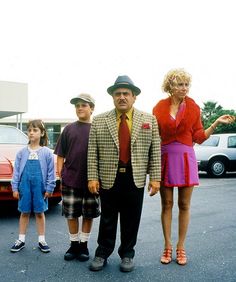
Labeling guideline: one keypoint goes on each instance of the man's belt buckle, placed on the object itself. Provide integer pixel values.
(122, 169)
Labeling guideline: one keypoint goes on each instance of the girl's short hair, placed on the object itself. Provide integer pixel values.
(39, 124)
(173, 77)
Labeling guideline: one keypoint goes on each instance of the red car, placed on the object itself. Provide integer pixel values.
(11, 141)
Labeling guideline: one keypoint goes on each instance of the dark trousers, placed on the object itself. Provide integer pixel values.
(126, 200)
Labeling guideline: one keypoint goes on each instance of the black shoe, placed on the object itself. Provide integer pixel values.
(72, 252)
(19, 245)
(43, 246)
(97, 264)
(83, 252)
(126, 265)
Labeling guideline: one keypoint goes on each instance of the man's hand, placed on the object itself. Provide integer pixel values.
(93, 186)
(153, 187)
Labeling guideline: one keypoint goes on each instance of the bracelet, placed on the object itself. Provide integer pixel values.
(213, 127)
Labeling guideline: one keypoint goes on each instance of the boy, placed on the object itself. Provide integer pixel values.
(71, 151)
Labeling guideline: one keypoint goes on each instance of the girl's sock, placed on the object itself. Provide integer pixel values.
(42, 238)
(22, 237)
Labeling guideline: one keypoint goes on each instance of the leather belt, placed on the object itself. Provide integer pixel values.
(122, 169)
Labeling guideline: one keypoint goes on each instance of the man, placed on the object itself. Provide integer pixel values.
(120, 154)
(71, 151)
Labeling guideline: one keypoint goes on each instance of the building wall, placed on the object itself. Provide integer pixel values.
(14, 102)
(13, 98)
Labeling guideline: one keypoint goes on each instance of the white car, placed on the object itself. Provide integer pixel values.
(217, 155)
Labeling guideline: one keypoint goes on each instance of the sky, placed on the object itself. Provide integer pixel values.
(61, 48)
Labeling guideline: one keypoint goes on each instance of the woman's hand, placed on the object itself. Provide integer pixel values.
(153, 187)
(226, 119)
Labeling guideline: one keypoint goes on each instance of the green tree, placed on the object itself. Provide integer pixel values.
(211, 111)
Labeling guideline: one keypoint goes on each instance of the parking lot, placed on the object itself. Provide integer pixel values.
(210, 244)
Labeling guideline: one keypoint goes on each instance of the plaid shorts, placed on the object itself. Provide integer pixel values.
(76, 203)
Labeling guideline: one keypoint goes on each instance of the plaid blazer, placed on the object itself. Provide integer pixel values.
(103, 149)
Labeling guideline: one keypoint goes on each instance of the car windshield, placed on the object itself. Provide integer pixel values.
(12, 135)
(211, 141)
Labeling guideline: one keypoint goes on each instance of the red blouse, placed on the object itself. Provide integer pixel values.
(187, 128)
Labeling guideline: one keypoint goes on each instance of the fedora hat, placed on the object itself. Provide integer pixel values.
(123, 81)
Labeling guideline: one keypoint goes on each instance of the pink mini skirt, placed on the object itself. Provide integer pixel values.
(179, 165)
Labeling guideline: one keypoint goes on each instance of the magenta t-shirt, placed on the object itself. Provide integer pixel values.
(73, 146)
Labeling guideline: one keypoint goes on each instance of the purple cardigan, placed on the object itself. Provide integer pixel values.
(46, 160)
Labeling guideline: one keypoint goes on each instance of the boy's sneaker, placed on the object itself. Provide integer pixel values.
(73, 251)
(19, 245)
(83, 252)
(43, 246)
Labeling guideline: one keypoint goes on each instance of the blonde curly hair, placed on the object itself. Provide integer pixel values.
(173, 77)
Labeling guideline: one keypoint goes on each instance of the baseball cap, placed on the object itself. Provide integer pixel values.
(83, 97)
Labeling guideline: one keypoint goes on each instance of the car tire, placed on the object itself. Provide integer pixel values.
(216, 168)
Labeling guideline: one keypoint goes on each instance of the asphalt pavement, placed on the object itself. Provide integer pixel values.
(210, 243)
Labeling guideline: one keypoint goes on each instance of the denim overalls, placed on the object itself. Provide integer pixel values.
(31, 189)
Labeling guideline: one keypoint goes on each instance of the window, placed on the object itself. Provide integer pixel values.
(211, 141)
(11, 135)
(232, 142)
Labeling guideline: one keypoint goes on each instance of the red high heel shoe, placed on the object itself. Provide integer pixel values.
(166, 256)
(181, 258)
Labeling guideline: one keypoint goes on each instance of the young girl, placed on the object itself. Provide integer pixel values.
(33, 182)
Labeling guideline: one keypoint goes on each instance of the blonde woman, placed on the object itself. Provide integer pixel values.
(180, 127)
